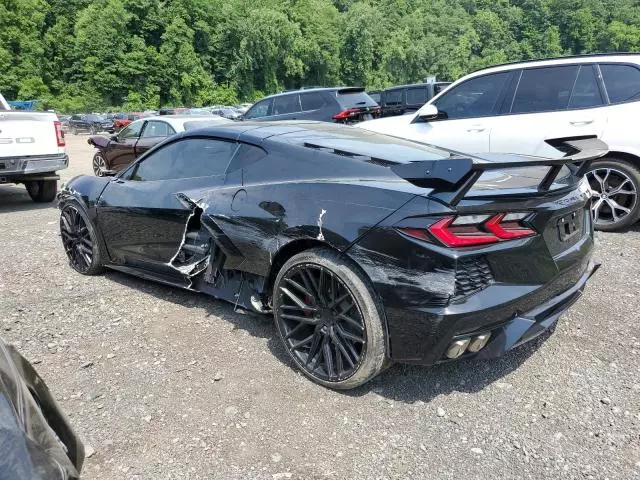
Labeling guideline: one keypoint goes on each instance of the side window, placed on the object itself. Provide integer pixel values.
(157, 129)
(131, 131)
(393, 97)
(477, 97)
(312, 101)
(586, 92)
(245, 156)
(544, 89)
(75, 117)
(260, 109)
(622, 82)
(417, 96)
(286, 104)
(188, 158)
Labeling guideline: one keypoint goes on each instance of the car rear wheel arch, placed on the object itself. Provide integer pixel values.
(376, 355)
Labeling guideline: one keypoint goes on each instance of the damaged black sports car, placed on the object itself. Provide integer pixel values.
(366, 248)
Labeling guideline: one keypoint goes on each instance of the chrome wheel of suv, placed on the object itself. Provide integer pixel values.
(99, 165)
(614, 196)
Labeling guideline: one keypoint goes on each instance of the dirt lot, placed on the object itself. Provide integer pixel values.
(162, 383)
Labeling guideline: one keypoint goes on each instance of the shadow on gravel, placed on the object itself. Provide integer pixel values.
(403, 383)
(14, 198)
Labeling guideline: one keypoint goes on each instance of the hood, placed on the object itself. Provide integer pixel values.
(395, 126)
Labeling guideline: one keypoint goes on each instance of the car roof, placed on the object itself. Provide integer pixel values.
(326, 136)
(311, 90)
(180, 120)
(571, 59)
(624, 57)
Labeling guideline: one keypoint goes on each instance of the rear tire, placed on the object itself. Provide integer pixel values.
(615, 184)
(42, 191)
(330, 319)
(99, 165)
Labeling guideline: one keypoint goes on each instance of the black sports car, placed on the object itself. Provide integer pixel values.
(365, 247)
(36, 441)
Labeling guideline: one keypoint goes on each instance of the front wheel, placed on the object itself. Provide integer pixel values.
(329, 319)
(42, 191)
(615, 184)
(79, 240)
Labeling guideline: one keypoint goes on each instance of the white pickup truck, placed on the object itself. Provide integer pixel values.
(32, 149)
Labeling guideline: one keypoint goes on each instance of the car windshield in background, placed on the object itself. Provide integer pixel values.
(195, 124)
(94, 118)
(354, 97)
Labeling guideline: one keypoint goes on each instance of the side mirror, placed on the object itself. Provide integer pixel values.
(114, 137)
(428, 112)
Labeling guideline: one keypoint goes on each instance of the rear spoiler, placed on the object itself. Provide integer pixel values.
(452, 179)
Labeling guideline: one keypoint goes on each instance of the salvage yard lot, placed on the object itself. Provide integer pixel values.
(163, 383)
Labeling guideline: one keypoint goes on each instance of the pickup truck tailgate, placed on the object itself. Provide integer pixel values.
(25, 134)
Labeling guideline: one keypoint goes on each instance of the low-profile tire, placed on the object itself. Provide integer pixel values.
(615, 186)
(99, 164)
(42, 191)
(80, 240)
(330, 319)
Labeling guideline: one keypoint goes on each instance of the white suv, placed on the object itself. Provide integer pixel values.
(523, 107)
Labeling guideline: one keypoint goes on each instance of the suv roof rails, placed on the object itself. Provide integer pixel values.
(584, 55)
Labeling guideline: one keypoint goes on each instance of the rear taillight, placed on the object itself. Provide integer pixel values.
(59, 133)
(474, 230)
(346, 114)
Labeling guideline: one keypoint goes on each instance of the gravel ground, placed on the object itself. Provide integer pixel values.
(163, 383)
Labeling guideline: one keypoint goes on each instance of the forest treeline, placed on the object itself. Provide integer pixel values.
(95, 54)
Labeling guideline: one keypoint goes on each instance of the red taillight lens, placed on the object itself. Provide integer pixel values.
(469, 231)
(346, 114)
(507, 230)
(59, 133)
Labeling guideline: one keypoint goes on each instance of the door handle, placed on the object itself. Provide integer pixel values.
(476, 128)
(579, 123)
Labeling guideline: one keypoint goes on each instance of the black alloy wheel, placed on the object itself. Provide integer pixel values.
(79, 241)
(328, 320)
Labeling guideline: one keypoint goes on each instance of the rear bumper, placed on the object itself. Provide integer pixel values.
(422, 335)
(17, 168)
(529, 325)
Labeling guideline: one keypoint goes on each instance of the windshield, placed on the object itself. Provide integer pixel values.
(94, 118)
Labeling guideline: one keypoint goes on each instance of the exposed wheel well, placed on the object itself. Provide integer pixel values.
(285, 253)
(625, 156)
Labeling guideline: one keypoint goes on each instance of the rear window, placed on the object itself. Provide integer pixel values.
(417, 95)
(544, 89)
(348, 98)
(312, 101)
(375, 96)
(393, 97)
(622, 82)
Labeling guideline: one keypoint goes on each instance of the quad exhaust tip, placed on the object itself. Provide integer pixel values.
(470, 344)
